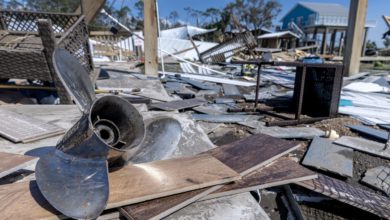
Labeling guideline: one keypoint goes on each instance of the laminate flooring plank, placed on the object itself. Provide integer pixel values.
(249, 151)
(131, 184)
(10, 163)
(280, 172)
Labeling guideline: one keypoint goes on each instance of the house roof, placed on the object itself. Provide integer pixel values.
(326, 9)
(323, 9)
(278, 35)
(184, 31)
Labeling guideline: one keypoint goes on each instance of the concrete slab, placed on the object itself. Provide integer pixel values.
(238, 207)
(324, 155)
(379, 178)
(364, 145)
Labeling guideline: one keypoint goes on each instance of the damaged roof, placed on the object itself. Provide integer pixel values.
(282, 34)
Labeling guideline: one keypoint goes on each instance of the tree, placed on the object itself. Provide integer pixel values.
(139, 5)
(254, 13)
(173, 16)
(371, 45)
(386, 42)
(195, 14)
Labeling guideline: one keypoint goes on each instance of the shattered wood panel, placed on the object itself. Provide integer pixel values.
(343, 192)
(131, 184)
(280, 172)
(10, 163)
(249, 160)
(20, 128)
(179, 105)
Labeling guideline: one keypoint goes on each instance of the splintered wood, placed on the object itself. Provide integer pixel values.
(20, 128)
(131, 184)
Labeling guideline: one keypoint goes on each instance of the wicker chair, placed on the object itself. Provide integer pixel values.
(27, 42)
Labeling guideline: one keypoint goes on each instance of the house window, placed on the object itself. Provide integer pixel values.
(300, 21)
(312, 19)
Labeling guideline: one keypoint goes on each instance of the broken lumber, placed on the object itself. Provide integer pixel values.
(354, 196)
(131, 184)
(243, 156)
(10, 163)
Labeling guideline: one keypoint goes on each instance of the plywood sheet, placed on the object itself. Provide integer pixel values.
(10, 163)
(352, 195)
(243, 156)
(131, 184)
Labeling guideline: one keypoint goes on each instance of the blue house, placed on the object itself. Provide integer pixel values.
(326, 18)
(306, 14)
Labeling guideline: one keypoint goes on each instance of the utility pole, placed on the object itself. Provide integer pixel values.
(150, 34)
(354, 38)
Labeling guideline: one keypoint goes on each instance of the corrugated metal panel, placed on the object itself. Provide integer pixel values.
(326, 9)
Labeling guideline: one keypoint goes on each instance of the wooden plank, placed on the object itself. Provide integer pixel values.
(280, 172)
(179, 105)
(162, 207)
(90, 9)
(355, 33)
(131, 184)
(150, 42)
(355, 196)
(10, 163)
(243, 156)
(248, 154)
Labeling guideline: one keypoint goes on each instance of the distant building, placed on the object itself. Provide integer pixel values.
(325, 18)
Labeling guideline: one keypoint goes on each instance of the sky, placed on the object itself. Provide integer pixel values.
(376, 8)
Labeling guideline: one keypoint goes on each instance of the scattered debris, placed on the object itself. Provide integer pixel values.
(378, 177)
(324, 155)
(364, 145)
